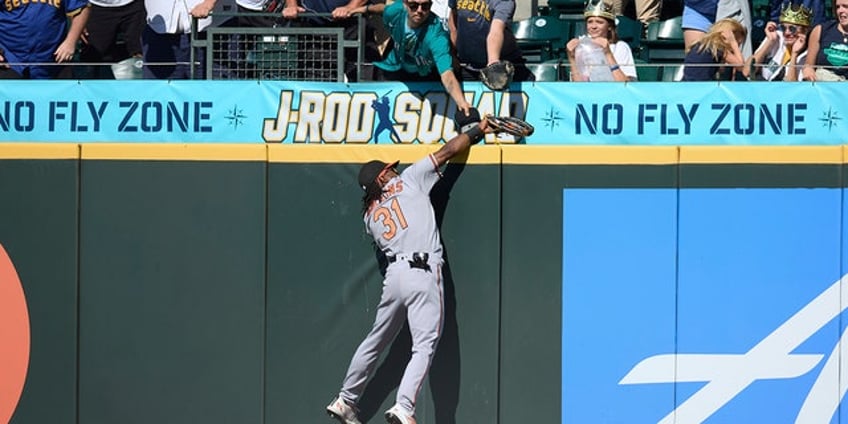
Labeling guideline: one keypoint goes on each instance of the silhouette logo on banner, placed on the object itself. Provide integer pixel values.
(14, 337)
(383, 108)
(368, 117)
(728, 374)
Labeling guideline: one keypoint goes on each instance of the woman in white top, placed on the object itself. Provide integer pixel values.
(782, 53)
(600, 55)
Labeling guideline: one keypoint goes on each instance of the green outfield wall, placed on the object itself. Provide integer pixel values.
(231, 283)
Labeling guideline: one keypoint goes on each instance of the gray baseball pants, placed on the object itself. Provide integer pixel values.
(411, 294)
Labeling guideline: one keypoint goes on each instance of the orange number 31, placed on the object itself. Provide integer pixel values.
(390, 218)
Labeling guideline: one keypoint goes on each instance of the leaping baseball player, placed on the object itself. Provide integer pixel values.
(398, 214)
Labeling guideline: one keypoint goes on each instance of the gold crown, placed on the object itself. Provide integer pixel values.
(798, 15)
(599, 9)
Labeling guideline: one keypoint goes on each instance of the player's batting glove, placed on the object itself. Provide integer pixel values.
(469, 124)
(465, 122)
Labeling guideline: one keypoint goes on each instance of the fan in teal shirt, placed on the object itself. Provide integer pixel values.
(421, 46)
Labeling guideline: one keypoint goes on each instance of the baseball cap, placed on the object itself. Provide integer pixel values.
(369, 172)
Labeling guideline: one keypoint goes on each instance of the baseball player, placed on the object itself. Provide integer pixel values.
(398, 214)
(34, 35)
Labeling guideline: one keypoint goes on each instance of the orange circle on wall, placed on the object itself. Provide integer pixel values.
(14, 337)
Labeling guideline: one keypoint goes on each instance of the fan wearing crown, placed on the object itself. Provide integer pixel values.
(827, 49)
(617, 61)
(782, 53)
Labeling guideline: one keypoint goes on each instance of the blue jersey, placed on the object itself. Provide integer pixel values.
(30, 32)
(473, 22)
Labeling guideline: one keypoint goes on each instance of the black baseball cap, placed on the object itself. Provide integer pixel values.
(369, 172)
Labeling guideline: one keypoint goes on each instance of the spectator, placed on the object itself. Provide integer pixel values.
(35, 34)
(107, 20)
(474, 25)
(817, 7)
(827, 47)
(319, 54)
(647, 11)
(700, 15)
(166, 39)
(707, 58)
(601, 39)
(782, 53)
(421, 50)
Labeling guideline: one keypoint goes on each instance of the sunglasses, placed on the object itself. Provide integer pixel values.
(413, 6)
(793, 29)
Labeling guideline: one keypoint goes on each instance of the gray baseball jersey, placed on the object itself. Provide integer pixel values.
(403, 225)
(403, 221)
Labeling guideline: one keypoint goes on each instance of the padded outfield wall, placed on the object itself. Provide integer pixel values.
(222, 283)
(650, 254)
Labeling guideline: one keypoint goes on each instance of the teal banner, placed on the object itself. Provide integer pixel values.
(302, 112)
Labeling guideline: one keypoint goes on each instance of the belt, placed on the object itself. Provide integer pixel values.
(415, 259)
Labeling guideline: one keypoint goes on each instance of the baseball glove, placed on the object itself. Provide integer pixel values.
(498, 75)
(510, 125)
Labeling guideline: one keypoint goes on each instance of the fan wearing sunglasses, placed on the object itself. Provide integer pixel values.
(782, 53)
(421, 47)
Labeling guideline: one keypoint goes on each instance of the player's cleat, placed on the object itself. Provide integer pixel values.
(344, 413)
(398, 415)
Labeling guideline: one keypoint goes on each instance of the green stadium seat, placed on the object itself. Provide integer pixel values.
(630, 31)
(541, 38)
(645, 71)
(567, 8)
(669, 30)
(664, 41)
(670, 73)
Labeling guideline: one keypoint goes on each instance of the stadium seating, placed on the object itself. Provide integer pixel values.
(542, 38)
(566, 9)
(658, 51)
(551, 70)
(646, 71)
(664, 41)
(630, 31)
(671, 72)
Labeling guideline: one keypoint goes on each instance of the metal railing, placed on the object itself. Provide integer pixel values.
(289, 52)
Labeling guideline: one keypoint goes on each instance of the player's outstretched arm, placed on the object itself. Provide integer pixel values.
(472, 135)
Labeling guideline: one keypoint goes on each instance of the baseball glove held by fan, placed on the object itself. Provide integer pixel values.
(498, 75)
(509, 125)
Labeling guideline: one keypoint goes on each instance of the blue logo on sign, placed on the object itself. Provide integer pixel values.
(703, 305)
